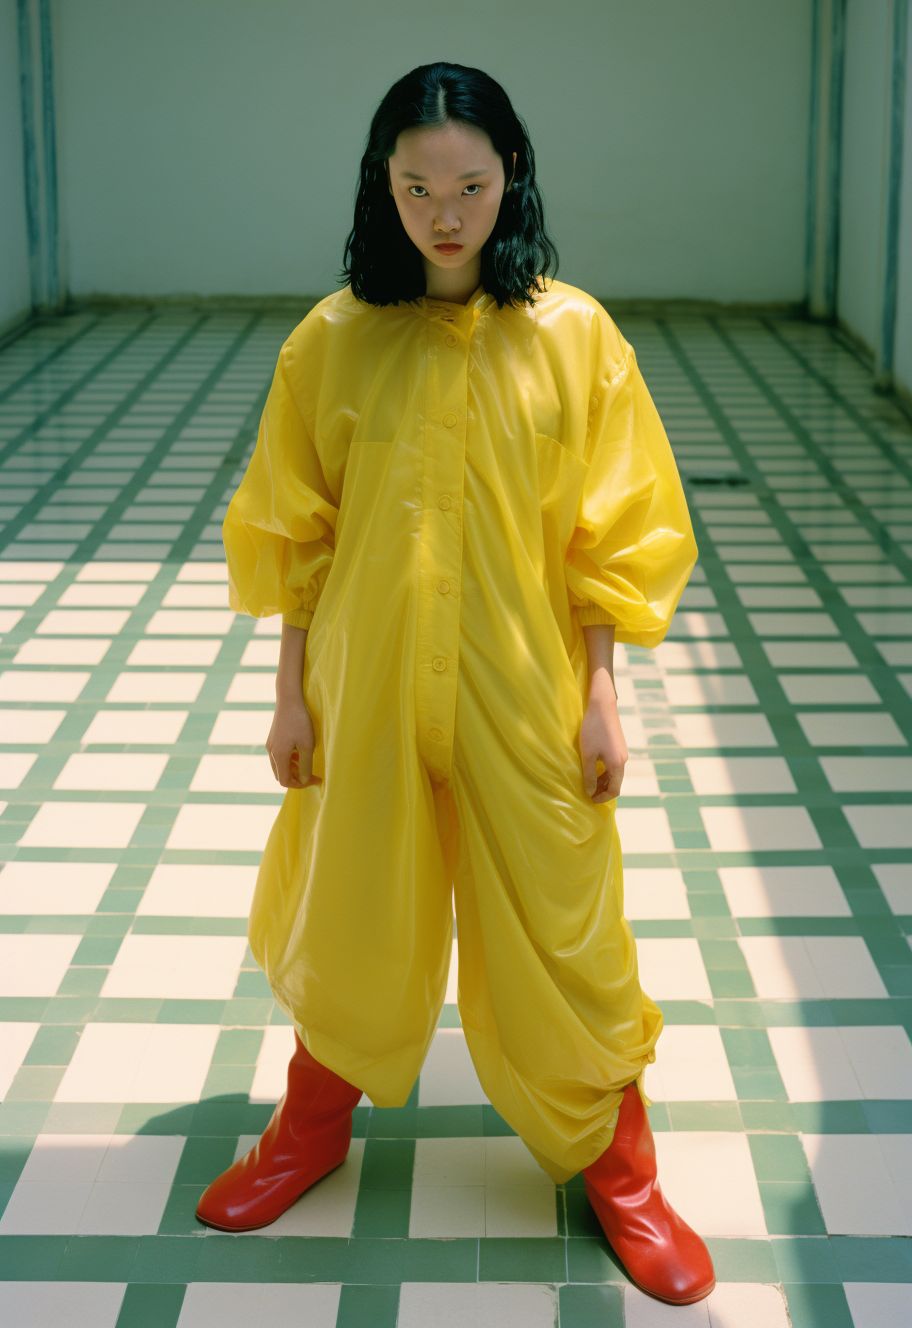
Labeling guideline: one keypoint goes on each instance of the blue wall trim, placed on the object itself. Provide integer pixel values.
(834, 155)
(810, 213)
(894, 183)
(42, 223)
(49, 126)
(29, 152)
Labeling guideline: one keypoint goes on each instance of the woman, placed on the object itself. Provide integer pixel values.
(461, 495)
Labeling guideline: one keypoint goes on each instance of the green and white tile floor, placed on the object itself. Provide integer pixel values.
(766, 819)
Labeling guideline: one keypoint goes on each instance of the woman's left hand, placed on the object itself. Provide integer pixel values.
(601, 735)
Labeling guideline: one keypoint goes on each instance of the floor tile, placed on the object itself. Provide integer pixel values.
(764, 820)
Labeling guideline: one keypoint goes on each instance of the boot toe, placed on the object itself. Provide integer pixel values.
(241, 1199)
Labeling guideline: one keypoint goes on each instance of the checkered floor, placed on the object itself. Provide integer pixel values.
(768, 847)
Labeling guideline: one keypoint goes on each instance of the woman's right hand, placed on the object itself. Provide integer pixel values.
(290, 744)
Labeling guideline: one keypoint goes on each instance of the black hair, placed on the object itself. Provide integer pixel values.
(382, 263)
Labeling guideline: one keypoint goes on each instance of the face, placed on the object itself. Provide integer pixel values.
(457, 197)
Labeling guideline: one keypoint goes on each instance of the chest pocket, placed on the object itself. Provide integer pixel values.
(561, 475)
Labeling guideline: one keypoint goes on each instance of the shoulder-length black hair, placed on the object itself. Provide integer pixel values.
(382, 263)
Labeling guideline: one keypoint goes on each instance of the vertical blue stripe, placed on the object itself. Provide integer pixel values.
(834, 155)
(894, 184)
(810, 214)
(49, 127)
(29, 153)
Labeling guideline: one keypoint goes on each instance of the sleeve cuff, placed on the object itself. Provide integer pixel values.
(298, 617)
(590, 614)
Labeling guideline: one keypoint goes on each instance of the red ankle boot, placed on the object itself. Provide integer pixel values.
(308, 1136)
(661, 1254)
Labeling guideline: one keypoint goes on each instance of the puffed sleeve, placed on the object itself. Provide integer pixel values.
(633, 546)
(279, 529)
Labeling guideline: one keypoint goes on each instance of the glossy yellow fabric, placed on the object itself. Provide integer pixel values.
(444, 494)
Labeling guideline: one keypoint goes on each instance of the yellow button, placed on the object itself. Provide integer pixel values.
(439, 664)
(435, 734)
(449, 420)
(443, 586)
(444, 501)
(452, 341)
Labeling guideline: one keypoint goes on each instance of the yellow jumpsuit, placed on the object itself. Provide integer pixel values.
(444, 494)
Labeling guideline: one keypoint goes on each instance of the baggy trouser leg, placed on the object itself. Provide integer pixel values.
(351, 919)
(554, 1016)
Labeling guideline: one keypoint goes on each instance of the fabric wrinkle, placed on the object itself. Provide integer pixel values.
(445, 495)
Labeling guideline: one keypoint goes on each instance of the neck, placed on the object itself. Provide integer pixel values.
(457, 285)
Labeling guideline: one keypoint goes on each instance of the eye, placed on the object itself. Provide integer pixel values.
(421, 186)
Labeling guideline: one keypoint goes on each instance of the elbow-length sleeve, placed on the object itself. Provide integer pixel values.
(633, 548)
(279, 528)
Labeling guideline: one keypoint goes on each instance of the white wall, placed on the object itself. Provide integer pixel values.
(15, 284)
(212, 145)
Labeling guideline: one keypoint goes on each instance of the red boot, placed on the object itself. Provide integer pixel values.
(660, 1252)
(308, 1136)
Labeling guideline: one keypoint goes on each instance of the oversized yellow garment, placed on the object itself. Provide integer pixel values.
(444, 494)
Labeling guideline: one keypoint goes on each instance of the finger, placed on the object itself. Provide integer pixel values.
(589, 775)
(281, 767)
(609, 785)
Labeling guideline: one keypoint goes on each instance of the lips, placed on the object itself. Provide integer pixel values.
(447, 246)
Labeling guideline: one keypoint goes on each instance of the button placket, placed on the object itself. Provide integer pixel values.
(441, 552)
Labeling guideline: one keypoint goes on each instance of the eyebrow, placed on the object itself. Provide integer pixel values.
(407, 175)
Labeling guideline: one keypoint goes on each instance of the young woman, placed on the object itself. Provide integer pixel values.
(460, 497)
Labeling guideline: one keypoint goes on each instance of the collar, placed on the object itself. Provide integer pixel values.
(453, 311)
